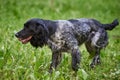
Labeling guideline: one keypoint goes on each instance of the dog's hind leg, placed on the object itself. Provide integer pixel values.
(96, 59)
(94, 52)
(98, 41)
(56, 59)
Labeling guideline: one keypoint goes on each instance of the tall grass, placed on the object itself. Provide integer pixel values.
(23, 62)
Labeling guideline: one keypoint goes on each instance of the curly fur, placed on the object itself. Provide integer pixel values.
(66, 36)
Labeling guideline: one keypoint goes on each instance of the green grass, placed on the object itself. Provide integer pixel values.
(23, 62)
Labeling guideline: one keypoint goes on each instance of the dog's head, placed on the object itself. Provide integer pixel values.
(35, 32)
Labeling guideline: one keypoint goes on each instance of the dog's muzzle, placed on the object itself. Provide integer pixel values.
(23, 40)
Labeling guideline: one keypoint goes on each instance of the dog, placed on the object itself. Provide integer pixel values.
(67, 36)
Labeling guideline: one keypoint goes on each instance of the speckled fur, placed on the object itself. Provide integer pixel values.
(67, 36)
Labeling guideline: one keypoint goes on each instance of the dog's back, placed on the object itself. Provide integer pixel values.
(82, 28)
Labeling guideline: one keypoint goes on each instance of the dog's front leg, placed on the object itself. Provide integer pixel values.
(75, 59)
(56, 59)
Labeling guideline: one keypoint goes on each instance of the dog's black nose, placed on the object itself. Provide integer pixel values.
(17, 35)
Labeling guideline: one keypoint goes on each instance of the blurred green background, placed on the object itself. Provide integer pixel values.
(23, 62)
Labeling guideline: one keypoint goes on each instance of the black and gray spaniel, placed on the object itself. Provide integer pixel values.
(66, 36)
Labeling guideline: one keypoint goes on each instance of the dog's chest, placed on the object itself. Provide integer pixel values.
(55, 42)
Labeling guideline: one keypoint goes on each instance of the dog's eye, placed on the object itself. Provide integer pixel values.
(37, 24)
(26, 26)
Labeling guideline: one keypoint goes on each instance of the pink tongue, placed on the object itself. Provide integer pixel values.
(24, 41)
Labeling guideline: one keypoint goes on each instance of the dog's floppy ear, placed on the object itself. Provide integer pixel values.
(41, 28)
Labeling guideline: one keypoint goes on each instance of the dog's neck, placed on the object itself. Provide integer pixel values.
(51, 25)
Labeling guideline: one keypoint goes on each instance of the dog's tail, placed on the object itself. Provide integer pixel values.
(111, 25)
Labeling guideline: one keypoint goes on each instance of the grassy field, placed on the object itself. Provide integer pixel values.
(23, 62)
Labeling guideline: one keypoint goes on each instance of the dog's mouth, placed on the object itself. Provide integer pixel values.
(26, 40)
